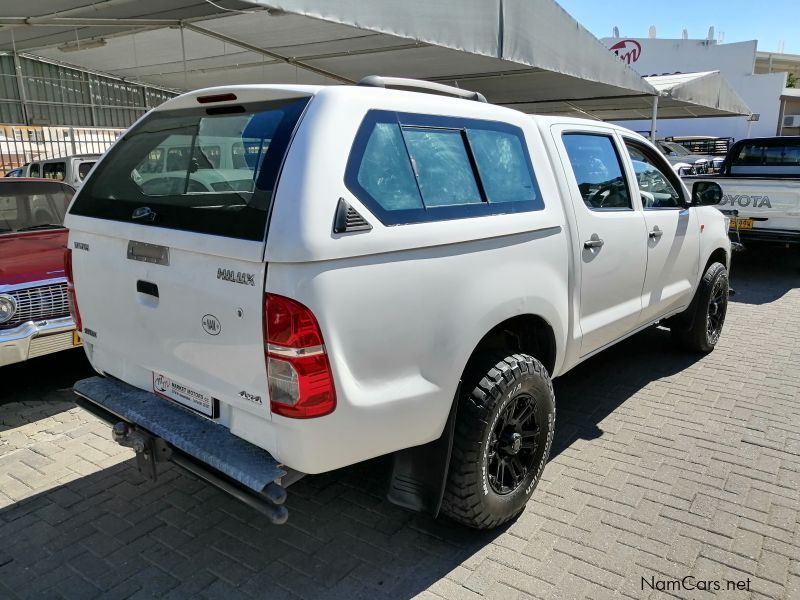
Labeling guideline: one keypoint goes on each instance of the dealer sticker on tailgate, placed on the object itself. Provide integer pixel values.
(183, 394)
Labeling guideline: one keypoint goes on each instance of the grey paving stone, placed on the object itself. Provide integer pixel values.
(664, 465)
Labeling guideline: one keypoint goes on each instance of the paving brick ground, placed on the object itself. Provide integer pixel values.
(665, 465)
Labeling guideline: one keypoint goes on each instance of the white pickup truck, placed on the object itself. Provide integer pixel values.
(387, 271)
(760, 182)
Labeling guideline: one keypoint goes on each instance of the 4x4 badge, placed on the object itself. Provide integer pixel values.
(251, 397)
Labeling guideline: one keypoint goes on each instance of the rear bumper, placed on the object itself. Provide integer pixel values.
(35, 338)
(780, 236)
(207, 449)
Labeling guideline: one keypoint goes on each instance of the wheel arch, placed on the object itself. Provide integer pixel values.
(526, 333)
(719, 255)
(419, 474)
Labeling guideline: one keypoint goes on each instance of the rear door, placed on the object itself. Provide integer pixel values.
(168, 272)
(673, 233)
(611, 240)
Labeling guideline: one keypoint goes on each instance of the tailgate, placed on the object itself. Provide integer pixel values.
(770, 203)
(167, 241)
(187, 326)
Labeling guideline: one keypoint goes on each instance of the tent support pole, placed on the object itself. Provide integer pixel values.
(654, 119)
(183, 55)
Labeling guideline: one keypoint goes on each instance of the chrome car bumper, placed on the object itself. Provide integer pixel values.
(35, 338)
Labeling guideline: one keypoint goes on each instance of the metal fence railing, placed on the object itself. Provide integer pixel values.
(21, 144)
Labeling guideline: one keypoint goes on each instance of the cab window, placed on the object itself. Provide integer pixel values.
(83, 169)
(598, 171)
(54, 170)
(656, 182)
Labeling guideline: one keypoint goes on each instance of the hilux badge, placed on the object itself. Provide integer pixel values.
(236, 276)
(211, 325)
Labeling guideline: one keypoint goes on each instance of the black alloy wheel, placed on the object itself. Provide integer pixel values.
(717, 307)
(512, 448)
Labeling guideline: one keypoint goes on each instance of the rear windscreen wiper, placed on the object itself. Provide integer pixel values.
(42, 226)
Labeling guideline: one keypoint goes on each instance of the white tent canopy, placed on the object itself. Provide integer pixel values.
(706, 94)
(683, 95)
(527, 54)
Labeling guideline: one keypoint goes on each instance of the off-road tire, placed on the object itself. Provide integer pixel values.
(706, 312)
(493, 387)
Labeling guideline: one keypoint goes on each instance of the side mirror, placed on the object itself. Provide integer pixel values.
(706, 193)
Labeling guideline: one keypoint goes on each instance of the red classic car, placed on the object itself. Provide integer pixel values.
(34, 309)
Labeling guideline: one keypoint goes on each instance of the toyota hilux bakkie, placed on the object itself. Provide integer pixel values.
(377, 272)
(760, 182)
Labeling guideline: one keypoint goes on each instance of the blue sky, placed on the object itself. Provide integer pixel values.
(768, 21)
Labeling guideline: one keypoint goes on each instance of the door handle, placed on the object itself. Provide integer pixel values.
(655, 234)
(595, 242)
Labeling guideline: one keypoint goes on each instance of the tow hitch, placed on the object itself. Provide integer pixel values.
(149, 450)
(159, 431)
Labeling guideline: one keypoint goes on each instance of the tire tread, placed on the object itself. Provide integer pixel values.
(461, 501)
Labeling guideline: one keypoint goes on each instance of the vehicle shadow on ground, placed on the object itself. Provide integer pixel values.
(596, 388)
(114, 532)
(763, 274)
(47, 378)
(40, 377)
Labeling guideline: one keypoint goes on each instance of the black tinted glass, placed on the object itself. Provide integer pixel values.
(209, 173)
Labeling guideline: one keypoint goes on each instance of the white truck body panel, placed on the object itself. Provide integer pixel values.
(401, 308)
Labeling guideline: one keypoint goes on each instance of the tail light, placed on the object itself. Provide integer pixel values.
(298, 371)
(73, 299)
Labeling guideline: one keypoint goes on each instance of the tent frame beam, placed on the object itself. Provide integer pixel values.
(85, 22)
(273, 55)
(143, 24)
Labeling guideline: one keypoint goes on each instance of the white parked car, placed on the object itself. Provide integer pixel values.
(685, 162)
(69, 169)
(403, 274)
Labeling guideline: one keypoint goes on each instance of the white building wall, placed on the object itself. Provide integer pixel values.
(735, 61)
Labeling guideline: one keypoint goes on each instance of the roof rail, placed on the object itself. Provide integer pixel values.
(420, 85)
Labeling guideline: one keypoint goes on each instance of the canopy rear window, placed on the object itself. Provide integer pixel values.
(209, 170)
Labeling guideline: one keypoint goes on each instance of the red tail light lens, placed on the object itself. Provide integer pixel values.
(71, 297)
(298, 371)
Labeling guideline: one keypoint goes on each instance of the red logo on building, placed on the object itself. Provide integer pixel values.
(628, 51)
